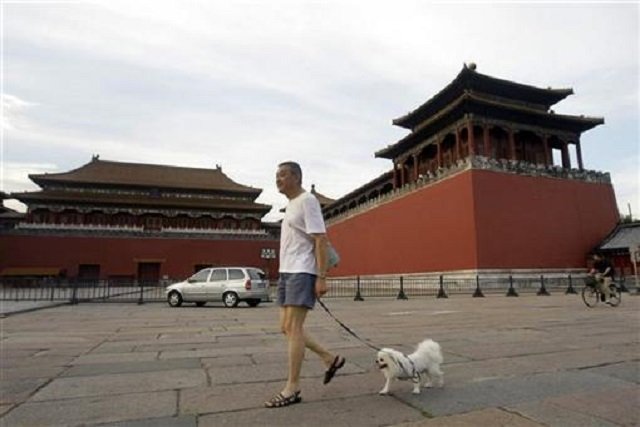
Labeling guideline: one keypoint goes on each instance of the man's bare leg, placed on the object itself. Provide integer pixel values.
(293, 325)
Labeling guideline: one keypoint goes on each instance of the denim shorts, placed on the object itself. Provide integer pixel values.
(297, 289)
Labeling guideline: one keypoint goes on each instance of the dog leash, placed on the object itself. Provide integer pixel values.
(413, 375)
(346, 328)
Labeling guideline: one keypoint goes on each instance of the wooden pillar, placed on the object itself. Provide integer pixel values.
(487, 142)
(512, 145)
(439, 154)
(547, 153)
(395, 175)
(566, 161)
(579, 155)
(415, 167)
(458, 145)
(471, 141)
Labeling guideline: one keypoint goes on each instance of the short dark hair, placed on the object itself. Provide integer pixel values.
(294, 168)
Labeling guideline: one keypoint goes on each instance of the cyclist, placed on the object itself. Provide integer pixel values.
(602, 271)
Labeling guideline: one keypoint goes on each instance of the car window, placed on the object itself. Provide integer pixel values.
(200, 276)
(256, 274)
(235, 274)
(218, 275)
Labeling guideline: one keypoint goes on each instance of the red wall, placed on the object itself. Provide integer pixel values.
(533, 222)
(119, 256)
(429, 230)
(478, 220)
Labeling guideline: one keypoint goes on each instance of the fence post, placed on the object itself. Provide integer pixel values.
(140, 300)
(511, 292)
(358, 296)
(621, 285)
(57, 281)
(74, 292)
(441, 292)
(478, 292)
(570, 289)
(401, 294)
(543, 290)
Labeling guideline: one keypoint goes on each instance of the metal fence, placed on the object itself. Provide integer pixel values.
(400, 287)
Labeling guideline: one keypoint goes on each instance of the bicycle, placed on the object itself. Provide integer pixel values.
(591, 295)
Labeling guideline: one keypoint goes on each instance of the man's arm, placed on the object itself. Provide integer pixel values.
(321, 261)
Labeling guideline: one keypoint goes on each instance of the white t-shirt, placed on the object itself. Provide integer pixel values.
(303, 215)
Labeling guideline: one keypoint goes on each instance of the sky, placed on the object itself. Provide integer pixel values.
(249, 84)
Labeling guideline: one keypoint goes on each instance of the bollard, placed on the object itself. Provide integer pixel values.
(401, 294)
(542, 290)
(358, 297)
(511, 292)
(441, 292)
(570, 289)
(478, 292)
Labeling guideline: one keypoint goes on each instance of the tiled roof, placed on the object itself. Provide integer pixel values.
(109, 173)
(623, 237)
(101, 199)
(469, 79)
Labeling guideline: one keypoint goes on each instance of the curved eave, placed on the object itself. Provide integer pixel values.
(62, 198)
(477, 104)
(469, 79)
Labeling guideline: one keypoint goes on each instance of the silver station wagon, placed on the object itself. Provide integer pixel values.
(227, 284)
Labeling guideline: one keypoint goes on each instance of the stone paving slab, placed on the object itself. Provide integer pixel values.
(85, 370)
(484, 417)
(618, 405)
(101, 385)
(181, 421)
(628, 371)
(18, 391)
(505, 391)
(93, 410)
(347, 412)
(556, 416)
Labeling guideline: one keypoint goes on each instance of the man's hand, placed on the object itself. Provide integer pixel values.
(321, 286)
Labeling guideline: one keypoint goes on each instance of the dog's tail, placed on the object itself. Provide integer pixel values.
(433, 348)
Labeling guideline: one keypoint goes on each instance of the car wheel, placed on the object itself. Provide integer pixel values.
(201, 303)
(174, 299)
(230, 299)
(253, 302)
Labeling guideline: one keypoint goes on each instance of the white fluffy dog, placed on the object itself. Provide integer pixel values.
(422, 366)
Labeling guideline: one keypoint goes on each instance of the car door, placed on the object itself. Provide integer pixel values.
(195, 289)
(216, 284)
(236, 281)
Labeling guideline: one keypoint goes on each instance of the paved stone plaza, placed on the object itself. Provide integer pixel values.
(526, 361)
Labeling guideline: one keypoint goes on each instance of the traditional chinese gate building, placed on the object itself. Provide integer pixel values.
(474, 188)
(137, 221)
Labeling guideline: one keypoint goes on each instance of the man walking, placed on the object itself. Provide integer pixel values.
(303, 268)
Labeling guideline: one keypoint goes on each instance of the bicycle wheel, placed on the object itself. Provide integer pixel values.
(590, 296)
(616, 296)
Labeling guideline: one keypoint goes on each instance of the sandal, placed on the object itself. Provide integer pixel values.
(338, 363)
(280, 401)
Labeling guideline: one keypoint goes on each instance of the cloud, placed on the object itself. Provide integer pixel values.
(13, 112)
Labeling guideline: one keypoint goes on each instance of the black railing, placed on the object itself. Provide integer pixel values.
(358, 288)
